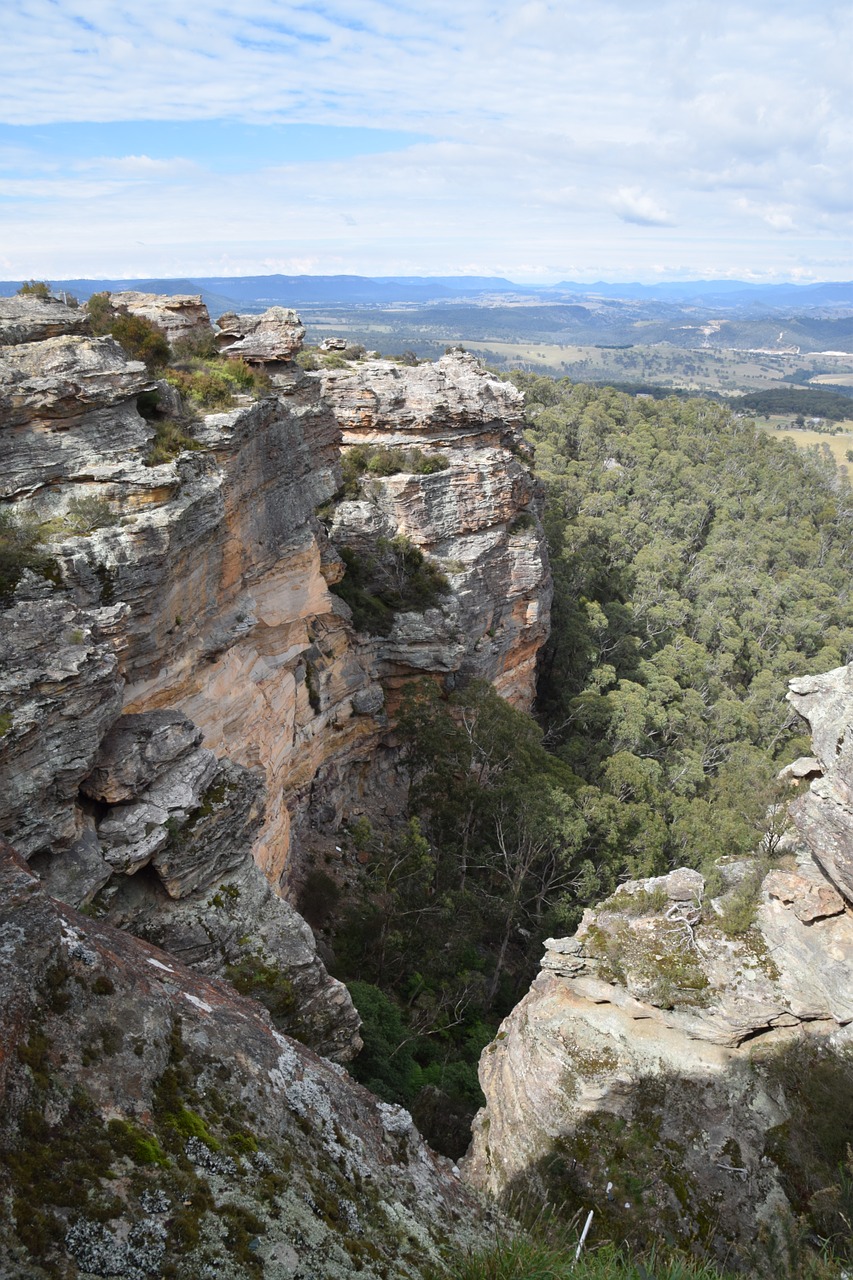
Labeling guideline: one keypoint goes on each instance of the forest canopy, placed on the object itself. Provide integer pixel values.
(699, 564)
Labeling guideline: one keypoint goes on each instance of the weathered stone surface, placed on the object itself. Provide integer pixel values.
(64, 377)
(60, 689)
(179, 315)
(274, 336)
(69, 984)
(653, 1014)
(137, 751)
(441, 404)
(824, 816)
(32, 320)
(810, 901)
(477, 519)
(237, 920)
(804, 767)
(79, 873)
(215, 832)
(219, 572)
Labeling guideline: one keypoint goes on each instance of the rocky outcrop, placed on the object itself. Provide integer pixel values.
(193, 599)
(665, 1012)
(825, 813)
(274, 336)
(464, 499)
(181, 315)
(154, 1122)
(33, 320)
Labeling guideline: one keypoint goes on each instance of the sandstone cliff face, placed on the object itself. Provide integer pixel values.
(192, 598)
(641, 1057)
(153, 1123)
(825, 813)
(181, 315)
(477, 518)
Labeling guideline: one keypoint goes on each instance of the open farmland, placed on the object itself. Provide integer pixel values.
(722, 371)
(838, 445)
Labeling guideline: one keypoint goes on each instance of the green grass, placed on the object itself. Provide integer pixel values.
(524, 1258)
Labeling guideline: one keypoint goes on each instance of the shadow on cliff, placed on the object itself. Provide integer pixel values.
(654, 1174)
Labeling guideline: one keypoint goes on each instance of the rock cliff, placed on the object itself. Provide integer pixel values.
(153, 1123)
(647, 1074)
(182, 688)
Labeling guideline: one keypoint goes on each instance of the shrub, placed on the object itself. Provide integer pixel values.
(35, 289)
(399, 579)
(140, 338)
(87, 514)
(170, 439)
(383, 461)
(19, 551)
(385, 1065)
(266, 983)
(521, 524)
(212, 384)
(200, 345)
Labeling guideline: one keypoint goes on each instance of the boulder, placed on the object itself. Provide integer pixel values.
(137, 751)
(121, 1064)
(180, 315)
(273, 336)
(33, 320)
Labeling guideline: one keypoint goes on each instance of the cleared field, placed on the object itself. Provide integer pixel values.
(670, 366)
(838, 445)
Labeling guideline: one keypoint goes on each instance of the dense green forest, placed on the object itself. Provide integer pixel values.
(698, 565)
(817, 402)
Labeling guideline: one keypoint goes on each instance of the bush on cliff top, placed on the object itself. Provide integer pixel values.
(140, 338)
(20, 550)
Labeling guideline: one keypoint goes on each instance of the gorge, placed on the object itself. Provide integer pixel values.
(212, 623)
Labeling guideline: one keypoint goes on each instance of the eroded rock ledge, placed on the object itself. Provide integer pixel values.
(656, 1016)
(153, 1122)
(192, 599)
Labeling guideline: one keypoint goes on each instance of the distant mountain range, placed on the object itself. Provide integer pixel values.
(254, 293)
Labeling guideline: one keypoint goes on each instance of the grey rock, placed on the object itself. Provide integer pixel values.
(75, 875)
(804, 767)
(274, 336)
(303, 1112)
(824, 815)
(61, 686)
(237, 920)
(64, 377)
(137, 751)
(31, 320)
(219, 807)
(369, 701)
(179, 315)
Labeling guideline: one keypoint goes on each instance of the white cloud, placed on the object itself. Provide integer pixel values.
(568, 137)
(632, 204)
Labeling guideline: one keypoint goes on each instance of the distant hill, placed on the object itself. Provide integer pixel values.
(723, 293)
(254, 293)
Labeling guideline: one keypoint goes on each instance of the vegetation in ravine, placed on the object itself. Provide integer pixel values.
(698, 566)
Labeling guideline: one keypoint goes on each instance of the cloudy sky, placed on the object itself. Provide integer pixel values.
(539, 139)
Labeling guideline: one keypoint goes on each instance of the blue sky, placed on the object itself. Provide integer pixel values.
(538, 140)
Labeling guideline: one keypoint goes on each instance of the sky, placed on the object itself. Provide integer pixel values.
(540, 140)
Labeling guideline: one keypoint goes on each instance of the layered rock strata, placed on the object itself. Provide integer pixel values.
(657, 1016)
(153, 1122)
(825, 813)
(270, 338)
(192, 597)
(180, 315)
(477, 517)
